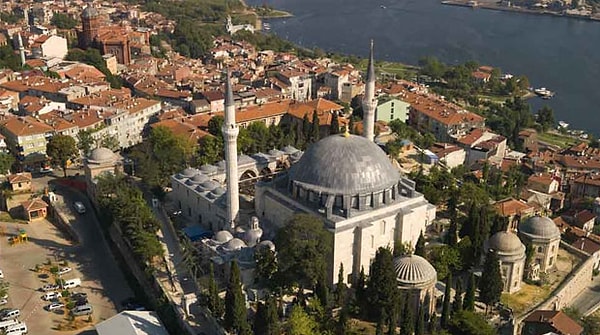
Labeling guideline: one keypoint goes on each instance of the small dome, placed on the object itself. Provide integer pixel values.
(267, 244)
(101, 156)
(413, 270)
(189, 172)
(199, 178)
(207, 168)
(252, 236)
(209, 185)
(222, 236)
(289, 150)
(539, 227)
(218, 191)
(222, 165)
(235, 244)
(505, 243)
(275, 153)
(89, 12)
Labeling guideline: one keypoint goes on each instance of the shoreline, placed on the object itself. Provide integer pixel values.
(494, 6)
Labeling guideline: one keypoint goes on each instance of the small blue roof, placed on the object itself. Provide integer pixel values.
(405, 142)
(196, 233)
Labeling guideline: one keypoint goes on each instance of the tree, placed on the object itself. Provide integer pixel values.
(6, 162)
(420, 246)
(444, 259)
(266, 321)
(303, 247)
(457, 305)
(306, 128)
(545, 118)
(360, 291)
(408, 322)
(322, 291)
(591, 324)
(85, 141)
(469, 302)
(315, 128)
(381, 288)
(469, 323)
(340, 288)
(342, 323)
(334, 127)
(446, 305)
(215, 304)
(215, 124)
(490, 284)
(300, 323)
(266, 264)
(62, 149)
(110, 142)
(235, 304)
(63, 21)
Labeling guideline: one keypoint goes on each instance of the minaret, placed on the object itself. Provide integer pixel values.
(369, 104)
(21, 49)
(230, 133)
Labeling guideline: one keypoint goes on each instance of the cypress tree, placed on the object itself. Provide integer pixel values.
(266, 321)
(457, 305)
(469, 302)
(408, 322)
(306, 128)
(351, 125)
(432, 326)
(342, 323)
(446, 305)
(235, 306)
(420, 246)
(490, 285)
(215, 304)
(334, 127)
(360, 291)
(340, 288)
(381, 289)
(381, 322)
(315, 128)
(420, 325)
(322, 291)
(392, 324)
(452, 237)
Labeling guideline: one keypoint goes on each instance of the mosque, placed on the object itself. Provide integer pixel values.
(346, 180)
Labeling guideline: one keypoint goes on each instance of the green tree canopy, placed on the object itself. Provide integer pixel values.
(266, 321)
(490, 284)
(381, 286)
(300, 323)
(236, 315)
(6, 162)
(469, 323)
(62, 149)
(303, 247)
(63, 21)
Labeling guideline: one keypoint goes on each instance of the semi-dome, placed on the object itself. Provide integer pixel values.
(414, 271)
(344, 165)
(505, 243)
(234, 244)
(89, 12)
(539, 227)
(101, 156)
(222, 236)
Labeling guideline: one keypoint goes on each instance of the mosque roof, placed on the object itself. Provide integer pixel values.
(344, 165)
(414, 270)
(540, 227)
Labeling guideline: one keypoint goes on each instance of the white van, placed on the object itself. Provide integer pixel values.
(82, 310)
(8, 323)
(79, 207)
(10, 314)
(71, 283)
(18, 329)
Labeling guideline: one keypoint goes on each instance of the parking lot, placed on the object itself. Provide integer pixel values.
(90, 261)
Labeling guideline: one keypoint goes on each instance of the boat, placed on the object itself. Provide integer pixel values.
(383, 7)
(563, 124)
(544, 93)
(266, 26)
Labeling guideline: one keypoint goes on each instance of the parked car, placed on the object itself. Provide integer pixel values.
(78, 295)
(54, 306)
(51, 295)
(64, 270)
(10, 314)
(3, 302)
(49, 287)
(130, 304)
(79, 207)
(1, 274)
(81, 302)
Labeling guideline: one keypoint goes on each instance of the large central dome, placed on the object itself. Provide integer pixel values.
(344, 165)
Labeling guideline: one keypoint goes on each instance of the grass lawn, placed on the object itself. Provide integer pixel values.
(527, 296)
(559, 140)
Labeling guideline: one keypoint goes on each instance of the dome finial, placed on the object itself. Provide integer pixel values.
(346, 131)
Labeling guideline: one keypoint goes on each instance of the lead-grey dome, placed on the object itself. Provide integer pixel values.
(505, 243)
(344, 165)
(539, 227)
(222, 236)
(413, 271)
(102, 156)
(89, 12)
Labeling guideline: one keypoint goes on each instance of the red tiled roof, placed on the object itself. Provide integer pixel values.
(22, 177)
(558, 320)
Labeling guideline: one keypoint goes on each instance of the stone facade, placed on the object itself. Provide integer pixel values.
(543, 236)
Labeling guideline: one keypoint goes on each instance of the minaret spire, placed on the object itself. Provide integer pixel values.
(369, 103)
(230, 132)
(21, 49)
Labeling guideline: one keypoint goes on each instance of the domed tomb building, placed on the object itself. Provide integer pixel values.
(511, 254)
(100, 161)
(417, 277)
(543, 236)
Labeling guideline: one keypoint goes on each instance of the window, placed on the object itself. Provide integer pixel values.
(383, 227)
(540, 249)
(551, 261)
(372, 241)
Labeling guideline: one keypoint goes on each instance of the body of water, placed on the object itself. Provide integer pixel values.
(561, 54)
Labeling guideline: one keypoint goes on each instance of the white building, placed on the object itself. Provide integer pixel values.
(132, 323)
(511, 255)
(543, 236)
(49, 47)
